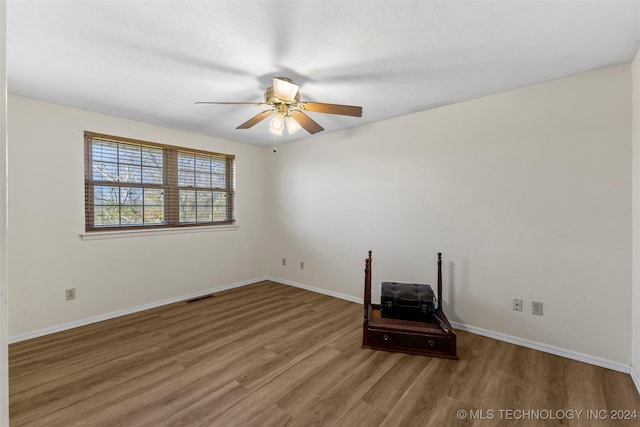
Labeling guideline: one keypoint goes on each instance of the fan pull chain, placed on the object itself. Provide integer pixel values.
(274, 143)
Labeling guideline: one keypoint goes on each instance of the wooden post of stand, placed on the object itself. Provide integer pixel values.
(367, 300)
(367, 286)
(440, 280)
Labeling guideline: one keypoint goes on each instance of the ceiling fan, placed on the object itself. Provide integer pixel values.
(283, 100)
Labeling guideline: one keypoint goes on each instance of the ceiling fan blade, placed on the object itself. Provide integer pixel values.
(305, 121)
(232, 103)
(284, 89)
(343, 110)
(255, 119)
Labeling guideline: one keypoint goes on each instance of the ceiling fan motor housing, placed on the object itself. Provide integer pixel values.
(271, 98)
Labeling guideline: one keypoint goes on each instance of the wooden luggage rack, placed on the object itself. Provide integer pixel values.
(406, 336)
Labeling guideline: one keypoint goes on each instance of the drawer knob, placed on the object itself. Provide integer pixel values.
(431, 343)
(385, 337)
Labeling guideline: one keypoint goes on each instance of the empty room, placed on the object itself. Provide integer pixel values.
(331, 213)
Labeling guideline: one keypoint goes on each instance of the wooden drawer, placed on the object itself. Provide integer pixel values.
(408, 340)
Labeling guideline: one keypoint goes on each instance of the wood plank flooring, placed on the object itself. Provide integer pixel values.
(273, 355)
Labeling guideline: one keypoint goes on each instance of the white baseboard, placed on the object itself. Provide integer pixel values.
(114, 314)
(317, 290)
(558, 351)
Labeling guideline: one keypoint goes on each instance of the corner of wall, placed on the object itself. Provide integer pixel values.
(4, 308)
(636, 378)
(635, 252)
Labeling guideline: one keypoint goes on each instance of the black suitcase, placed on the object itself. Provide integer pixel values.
(407, 301)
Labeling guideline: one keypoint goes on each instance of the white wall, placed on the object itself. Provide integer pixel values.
(47, 216)
(635, 359)
(527, 193)
(4, 310)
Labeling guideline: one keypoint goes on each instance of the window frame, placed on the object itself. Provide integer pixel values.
(169, 185)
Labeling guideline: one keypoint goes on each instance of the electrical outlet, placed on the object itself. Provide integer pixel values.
(301, 265)
(284, 261)
(536, 308)
(70, 294)
(517, 304)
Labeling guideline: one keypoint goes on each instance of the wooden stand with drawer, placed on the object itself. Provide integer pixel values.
(406, 336)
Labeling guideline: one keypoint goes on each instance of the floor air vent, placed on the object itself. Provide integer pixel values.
(189, 301)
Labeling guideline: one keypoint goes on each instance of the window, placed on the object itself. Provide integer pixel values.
(137, 184)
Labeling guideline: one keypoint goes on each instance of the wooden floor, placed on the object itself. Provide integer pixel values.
(273, 355)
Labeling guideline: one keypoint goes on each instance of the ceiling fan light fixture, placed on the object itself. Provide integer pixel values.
(277, 124)
(292, 125)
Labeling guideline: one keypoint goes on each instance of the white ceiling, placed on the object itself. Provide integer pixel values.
(151, 60)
